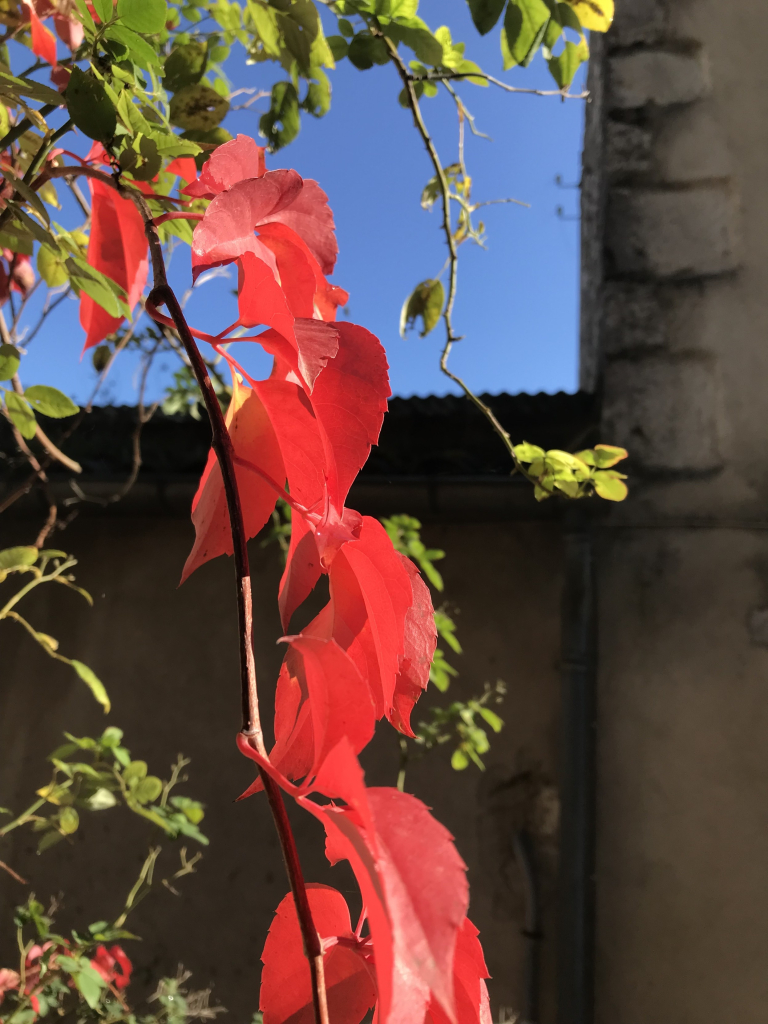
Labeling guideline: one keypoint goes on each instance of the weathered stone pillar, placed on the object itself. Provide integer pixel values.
(675, 338)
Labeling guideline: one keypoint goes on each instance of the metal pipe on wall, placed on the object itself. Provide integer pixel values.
(577, 772)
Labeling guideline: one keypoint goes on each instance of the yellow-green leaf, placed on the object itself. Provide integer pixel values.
(93, 683)
(596, 15)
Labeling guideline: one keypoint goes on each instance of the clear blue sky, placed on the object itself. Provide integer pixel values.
(517, 304)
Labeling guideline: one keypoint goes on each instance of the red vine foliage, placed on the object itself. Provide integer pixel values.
(303, 434)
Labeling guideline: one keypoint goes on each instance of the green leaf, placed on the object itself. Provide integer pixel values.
(184, 65)
(528, 452)
(198, 108)
(9, 361)
(524, 26)
(139, 50)
(459, 760)
(102, 289)
(603, 456)
(610, 485)
(17, 240)
(111, 737)
(11, 558)
(89, 106)
(90, 984)
(485, 13)
(148, 789)
(135, 771)
(317, 102)
(339, 47)
(192, 809)
(426, 301)
(446, 629)
(21, 414)
(27, 87)
(565, 65)
(69, 820)
(93, 683)
(491, 718)
(345, 27)
(419, 39)
(51, 267)
(146, 16)
(281, 124)
(366, 50)
(105, 9)
(50, 402)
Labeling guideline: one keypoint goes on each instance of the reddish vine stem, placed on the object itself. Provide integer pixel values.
(163, 294)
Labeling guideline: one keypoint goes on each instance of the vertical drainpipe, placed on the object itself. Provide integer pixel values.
(577, 772)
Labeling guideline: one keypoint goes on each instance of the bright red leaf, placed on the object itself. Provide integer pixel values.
(419, 642)
(184, 167)
(252, 437)
(321, 698)
(118, 248)
(286, 994)
(43, 40)
(236, 160)
(469, 974)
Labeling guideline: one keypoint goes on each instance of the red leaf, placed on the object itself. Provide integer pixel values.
(253, 439)
(469, 974)
(368, 578)
(303, 345)
(350, 399)
(419, 642)
(43, 40)
(118, 248)
(318, 676)
(302, 569)
(309, 215)
(69, 30)
(286, 994)
(235, 161)
(412, 880)
(184, 167)
(226, 230)
(324, 298)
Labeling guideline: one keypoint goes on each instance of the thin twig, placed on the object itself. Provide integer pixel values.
(458, 76)
(450, 336)
(12, 873)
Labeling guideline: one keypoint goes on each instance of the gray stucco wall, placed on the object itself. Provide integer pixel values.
(675, 275)
(168, 657)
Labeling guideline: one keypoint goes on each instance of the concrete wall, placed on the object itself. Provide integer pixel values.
(677, 288)
(168, 657)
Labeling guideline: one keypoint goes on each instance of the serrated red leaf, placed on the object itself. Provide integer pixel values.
(321, 699)
(254, 439)
(369, 581)
(309, 215)
(184, 167)
(350, 399)
(236, 160)
(286, 994)
(419, 642)
(469, 974)
(227, 228)
(300, 272)
(42, 39)
(118, 248)
(412, 879)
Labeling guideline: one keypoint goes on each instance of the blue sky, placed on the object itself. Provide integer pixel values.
(517, 304)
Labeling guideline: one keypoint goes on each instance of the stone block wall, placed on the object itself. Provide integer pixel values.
(674, 327)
